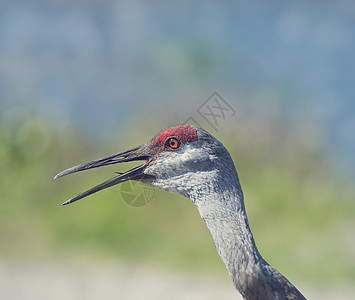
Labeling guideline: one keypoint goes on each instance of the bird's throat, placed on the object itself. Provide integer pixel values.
(220, 203)
(223, 211)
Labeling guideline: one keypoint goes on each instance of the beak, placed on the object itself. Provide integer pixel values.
(137, 153)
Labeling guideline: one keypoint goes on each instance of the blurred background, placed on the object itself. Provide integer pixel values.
(81, 80)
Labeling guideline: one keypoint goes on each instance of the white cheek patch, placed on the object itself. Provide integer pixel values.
(183, 184)
(173, 163)
(179, 171)
(183, 156)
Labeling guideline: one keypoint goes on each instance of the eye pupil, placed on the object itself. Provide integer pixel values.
(173, 143)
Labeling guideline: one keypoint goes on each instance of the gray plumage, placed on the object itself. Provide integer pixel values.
(202, 170)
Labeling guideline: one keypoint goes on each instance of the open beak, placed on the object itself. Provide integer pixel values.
(137, 153)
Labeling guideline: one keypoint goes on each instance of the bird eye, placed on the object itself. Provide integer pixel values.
(173, 143)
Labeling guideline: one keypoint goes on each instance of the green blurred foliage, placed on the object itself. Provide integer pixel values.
(301, 215)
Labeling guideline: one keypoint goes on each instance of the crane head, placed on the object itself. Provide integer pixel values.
(174, 160)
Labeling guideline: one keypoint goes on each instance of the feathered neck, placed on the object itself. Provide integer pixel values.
(220, 202)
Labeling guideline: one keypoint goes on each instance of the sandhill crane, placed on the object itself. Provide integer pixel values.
(189, 161)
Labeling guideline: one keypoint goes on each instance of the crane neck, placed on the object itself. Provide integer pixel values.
(222, 209)
(220, 203)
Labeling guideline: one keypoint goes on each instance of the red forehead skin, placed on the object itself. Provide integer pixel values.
(185, 133)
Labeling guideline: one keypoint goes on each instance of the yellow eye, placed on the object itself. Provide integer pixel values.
(173, 143)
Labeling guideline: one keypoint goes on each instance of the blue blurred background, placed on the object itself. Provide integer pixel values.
(81, 79)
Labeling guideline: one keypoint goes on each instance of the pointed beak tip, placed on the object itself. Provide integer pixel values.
(63, 173)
